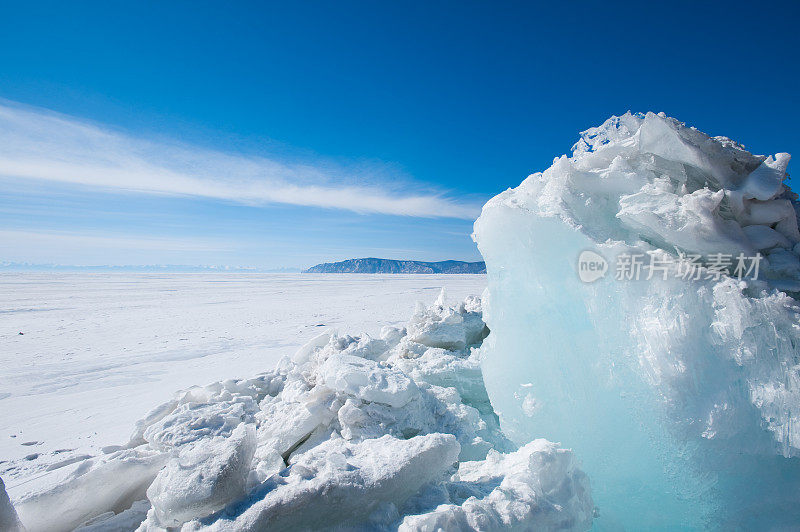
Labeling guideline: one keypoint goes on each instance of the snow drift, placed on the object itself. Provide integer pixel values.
(386, 433)
(678, 392)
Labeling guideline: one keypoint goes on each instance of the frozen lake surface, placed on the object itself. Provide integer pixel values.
(99, 350)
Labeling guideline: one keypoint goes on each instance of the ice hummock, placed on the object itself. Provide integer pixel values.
(680, 396)
(357, 433)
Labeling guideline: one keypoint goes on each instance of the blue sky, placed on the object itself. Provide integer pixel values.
(285, 134)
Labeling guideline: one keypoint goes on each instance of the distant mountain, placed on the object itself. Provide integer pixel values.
(372, 265)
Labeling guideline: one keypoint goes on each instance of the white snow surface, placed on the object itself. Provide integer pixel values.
(681, 396)
(98, 350)
(369, 432)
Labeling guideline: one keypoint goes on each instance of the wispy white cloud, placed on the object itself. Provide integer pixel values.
(38, 144)
(47, 240)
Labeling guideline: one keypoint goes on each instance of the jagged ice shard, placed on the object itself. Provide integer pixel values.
(678, 393)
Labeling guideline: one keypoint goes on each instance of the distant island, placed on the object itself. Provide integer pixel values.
(371, 265)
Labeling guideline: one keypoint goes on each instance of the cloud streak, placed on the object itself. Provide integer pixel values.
(18, 239)
(41, 145)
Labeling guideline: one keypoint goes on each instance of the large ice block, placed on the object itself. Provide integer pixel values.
(679, 393)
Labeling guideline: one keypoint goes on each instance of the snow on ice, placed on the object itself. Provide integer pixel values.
(99, 350)
(680, 395)
(389, 432)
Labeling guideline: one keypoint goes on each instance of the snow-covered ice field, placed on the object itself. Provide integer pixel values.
(100, 350)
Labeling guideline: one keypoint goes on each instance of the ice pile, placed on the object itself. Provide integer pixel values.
(679, 391)
(386, 433)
